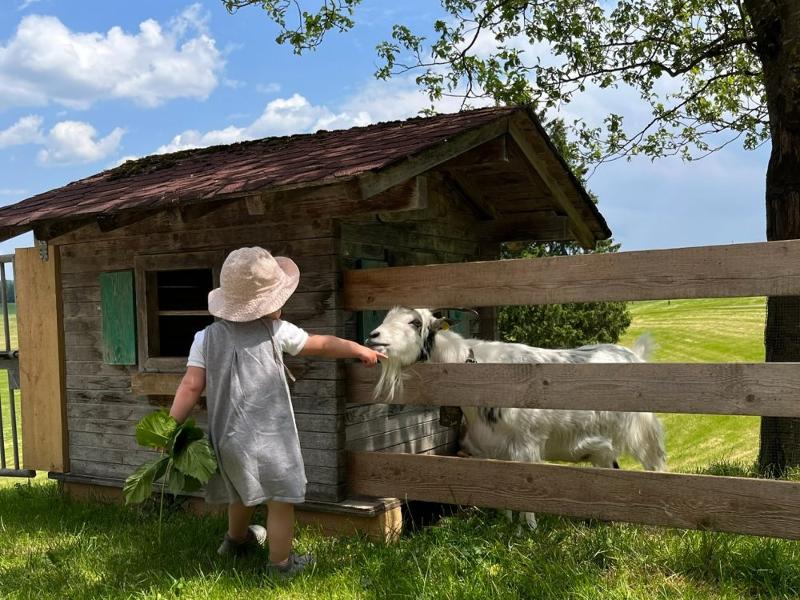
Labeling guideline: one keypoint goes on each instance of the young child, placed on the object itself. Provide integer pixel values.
(238, 361)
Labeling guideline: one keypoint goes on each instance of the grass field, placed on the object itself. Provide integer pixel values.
(51, 547)
(5, 407)
(714, 330)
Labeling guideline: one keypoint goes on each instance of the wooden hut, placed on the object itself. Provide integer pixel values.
(111, 295)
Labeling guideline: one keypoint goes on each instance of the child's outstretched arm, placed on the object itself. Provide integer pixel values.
(330, 346)
(188, 393)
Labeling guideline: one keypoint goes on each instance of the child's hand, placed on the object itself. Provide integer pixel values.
(370, 357)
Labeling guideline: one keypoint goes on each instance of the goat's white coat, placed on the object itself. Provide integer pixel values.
(524, 434)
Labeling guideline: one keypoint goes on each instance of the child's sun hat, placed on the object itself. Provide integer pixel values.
(253, 283)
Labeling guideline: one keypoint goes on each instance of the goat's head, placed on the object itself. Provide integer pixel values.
(405, 336)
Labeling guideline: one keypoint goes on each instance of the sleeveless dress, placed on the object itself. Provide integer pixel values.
(250, 418)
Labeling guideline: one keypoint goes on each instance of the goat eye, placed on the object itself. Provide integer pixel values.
(416, 323)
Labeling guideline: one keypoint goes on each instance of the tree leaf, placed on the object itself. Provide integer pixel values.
(197, 460)
(156, 429)
(139, 484)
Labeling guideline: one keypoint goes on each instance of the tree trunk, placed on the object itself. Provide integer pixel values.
(776, 24)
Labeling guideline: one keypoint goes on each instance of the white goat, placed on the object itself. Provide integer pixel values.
(408, 336)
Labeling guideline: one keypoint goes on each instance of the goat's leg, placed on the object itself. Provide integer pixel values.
(530, 452)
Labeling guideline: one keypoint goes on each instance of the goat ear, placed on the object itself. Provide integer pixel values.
(442, 324)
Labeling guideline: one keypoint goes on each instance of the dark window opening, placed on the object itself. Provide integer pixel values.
(181, 308)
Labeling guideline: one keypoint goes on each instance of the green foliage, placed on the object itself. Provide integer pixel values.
(562, 325)
(188, 461)
(544, 52)
(311, 27)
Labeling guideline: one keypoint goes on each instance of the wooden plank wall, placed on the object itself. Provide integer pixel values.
(442, 232)
(102, 410)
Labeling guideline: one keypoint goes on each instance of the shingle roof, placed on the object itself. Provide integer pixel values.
(236, 169)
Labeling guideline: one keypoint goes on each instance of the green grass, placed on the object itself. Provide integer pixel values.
(716, 330)
(51, 547)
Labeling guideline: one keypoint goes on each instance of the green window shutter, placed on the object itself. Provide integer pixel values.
(369, 319)
(119, 317)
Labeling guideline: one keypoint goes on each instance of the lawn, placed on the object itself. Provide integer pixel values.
(713, 330)
(51, 547)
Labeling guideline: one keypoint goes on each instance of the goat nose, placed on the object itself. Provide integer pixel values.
(374, 335)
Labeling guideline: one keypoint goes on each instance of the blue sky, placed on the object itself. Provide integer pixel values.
(85, 84)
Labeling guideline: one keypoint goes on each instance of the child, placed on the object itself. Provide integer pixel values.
(238, 361)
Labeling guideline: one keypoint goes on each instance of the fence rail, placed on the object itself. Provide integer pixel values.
(731, 504)
(760, 269)
(759, 389)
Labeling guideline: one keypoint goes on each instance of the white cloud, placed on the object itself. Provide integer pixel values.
(74, 142)
(27, 130)
(282, 116)
(268, 88)
(47, 62)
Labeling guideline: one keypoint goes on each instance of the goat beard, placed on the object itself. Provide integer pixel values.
(390, 383)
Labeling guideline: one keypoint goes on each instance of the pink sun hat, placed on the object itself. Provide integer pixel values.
(253, 284)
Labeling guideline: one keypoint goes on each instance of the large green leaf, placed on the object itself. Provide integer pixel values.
(186, 433)
(139, 484)
(156, 429)
(197, 460)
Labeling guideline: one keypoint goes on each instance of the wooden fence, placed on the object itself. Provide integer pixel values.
(751, 506)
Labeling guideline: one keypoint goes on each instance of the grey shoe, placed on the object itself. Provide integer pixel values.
(256, 538)
(297, 563)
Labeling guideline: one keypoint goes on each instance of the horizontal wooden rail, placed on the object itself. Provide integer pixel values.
(764, 389)
(730, 504)
(760, 269)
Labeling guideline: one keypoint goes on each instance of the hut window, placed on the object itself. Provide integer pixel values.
(172, 294)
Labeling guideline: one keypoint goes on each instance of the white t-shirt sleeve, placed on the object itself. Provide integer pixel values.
(289, 337)
(196, 352)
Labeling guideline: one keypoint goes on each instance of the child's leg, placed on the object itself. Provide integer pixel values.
(238, 519)
(280, 530)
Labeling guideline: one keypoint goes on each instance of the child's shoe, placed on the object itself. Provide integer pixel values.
(296, 564)
(256, 538)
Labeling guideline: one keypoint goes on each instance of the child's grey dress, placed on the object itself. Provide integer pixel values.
(250, 417)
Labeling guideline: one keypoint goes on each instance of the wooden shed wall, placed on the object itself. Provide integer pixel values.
(101, 409)
(443, 232)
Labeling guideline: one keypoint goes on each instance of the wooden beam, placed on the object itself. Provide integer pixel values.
(759, 269)
(41, 360)
(707, 503)
(49, 230)
(526, 140)
(373, 183)
(762, 389)
(338, 200)
(492, 154)
(474, 196)
(535, 227)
